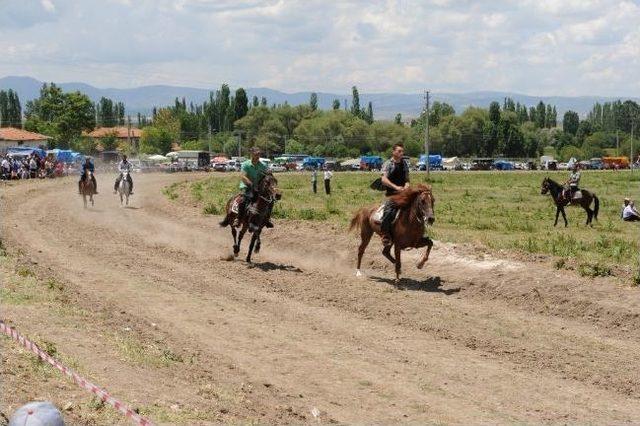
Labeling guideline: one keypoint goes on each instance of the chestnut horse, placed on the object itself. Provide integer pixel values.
(86, 188)
(256, 214)
(416, 210)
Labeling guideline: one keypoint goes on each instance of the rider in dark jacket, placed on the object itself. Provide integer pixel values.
(395, 177)
(88, 165)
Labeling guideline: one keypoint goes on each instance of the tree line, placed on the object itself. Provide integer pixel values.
(227, 118)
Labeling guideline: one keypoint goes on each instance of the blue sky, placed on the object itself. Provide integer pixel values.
(538, 47)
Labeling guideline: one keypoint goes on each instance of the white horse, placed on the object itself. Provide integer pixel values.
(124, 189)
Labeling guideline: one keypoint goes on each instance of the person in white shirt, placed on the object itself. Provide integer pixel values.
(629, 212)
(123, 166)
(327, 180)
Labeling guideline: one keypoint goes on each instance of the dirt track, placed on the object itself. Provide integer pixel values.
(469, 339)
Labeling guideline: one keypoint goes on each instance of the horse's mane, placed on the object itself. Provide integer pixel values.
(553, 182)
(407, 197)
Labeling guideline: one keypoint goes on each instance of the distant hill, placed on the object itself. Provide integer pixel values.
(385, 105)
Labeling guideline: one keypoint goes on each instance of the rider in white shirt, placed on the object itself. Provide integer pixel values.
(123, 166)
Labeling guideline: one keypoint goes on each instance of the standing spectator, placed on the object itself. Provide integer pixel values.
(33, 167)
(314, 180)
(327, 180)
(6, 168)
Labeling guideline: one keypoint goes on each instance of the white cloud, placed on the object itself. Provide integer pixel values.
(48, 5)
(531, 46)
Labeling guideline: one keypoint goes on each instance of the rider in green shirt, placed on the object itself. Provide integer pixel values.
(251, 171)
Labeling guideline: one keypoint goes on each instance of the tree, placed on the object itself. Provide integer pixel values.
(336, 104)
(10, 109)
(398, 119)
(241, 103)
(255, 102)
(109, 142)
(570, 122)
(494, 112)
(64, 116)
(313, 101)
(368, 116)
(355, 102)
(541, 115)
(159, 137)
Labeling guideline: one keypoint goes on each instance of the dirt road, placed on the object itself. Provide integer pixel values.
(470, 339)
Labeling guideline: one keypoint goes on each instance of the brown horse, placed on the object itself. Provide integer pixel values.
(416, 210)
(86, 188)
(561, 200)
(256, 215)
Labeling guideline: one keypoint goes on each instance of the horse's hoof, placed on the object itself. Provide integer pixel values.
(420, 265)
(359, 273)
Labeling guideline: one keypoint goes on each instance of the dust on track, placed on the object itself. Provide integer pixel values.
(467, 340)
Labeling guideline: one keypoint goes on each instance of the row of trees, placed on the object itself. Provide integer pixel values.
(503, 129)
(608, 128)
(109, 113)
(10, 109)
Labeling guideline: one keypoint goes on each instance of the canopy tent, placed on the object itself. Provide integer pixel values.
(351, 162)
(24, 151)
(157, 158)
(64, 155)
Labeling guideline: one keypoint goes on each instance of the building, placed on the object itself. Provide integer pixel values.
(11, 136)
(122, 134)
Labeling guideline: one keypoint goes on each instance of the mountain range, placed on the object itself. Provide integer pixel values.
(385, 105)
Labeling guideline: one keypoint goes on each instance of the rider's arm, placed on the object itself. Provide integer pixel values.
(245, 179)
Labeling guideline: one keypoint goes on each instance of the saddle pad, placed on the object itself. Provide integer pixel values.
(577, 195)
(235, 205)
(377, 216)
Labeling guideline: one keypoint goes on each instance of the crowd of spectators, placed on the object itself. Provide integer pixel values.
(31, 167)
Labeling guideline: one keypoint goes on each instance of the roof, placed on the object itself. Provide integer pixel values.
(13, 134)
(119, 132)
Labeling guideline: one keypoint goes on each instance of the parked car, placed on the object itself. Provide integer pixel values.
(277, 168)
(563, 166)
(220, 167)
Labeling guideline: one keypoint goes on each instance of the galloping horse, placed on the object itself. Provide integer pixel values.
(559, 198)
(124, 188)
(86, 188)
(257, 213)
(416, 209)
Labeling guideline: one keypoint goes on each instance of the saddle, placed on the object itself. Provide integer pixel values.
(377, 215)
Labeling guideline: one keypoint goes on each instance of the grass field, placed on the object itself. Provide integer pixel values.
(498, 210)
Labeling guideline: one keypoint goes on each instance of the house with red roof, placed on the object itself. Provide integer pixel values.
(11, 136)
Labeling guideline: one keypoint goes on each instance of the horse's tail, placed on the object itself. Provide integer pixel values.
(596, 206)
(358, 219)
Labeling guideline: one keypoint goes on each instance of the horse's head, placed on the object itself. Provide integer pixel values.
(544, 188)
(268, 187)
(424, 204)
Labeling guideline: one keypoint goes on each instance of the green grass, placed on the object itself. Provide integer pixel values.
(499, 210)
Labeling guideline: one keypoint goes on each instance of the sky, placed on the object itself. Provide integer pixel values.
(536, 47)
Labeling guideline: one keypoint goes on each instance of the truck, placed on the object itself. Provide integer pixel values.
(435, 162)
(371, 162)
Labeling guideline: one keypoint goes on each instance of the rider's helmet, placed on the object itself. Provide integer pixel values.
(124, 157)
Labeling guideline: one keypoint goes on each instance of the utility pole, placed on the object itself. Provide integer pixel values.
(632, 128)
(209, 139)
(285, 144)
(426, 131)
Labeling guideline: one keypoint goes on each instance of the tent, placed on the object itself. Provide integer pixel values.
(157, 158)
(24, 151)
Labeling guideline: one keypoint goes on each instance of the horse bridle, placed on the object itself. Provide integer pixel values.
(421, 210)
